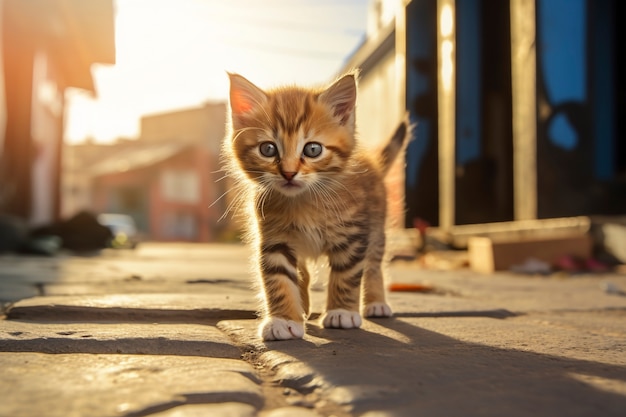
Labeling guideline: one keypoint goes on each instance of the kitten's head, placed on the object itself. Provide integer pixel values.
(292, 139)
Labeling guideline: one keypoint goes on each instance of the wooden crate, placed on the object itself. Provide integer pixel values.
(487, 255)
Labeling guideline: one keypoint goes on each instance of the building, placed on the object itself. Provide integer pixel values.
(517, 105)
(167, 179)
(47, 46)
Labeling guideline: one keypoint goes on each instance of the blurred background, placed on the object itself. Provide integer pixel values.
(119, 106)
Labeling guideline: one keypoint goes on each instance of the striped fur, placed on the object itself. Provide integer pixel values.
(301, 205)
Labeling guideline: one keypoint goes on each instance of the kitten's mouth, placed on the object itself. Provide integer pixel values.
(291, 186)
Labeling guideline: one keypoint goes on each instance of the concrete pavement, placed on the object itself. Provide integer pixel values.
(170, 330)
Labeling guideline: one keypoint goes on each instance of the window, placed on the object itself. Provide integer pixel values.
(181, 186)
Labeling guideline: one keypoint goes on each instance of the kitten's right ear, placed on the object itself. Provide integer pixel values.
(341, 97)
(244, 96)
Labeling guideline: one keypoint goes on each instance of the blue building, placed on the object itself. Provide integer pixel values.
(519, 105)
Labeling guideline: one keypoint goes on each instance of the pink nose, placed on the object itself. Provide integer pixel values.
(288, 175)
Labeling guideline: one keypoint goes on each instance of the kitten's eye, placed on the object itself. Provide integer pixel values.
(312, 149)
(268, 149)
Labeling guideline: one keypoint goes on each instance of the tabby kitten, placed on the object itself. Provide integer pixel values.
(311, 192)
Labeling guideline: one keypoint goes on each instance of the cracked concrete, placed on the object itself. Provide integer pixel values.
(170, 330)
(36, 384)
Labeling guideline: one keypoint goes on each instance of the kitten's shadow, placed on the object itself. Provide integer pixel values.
(419, 369)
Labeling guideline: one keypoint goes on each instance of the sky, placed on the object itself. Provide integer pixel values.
(174, 54)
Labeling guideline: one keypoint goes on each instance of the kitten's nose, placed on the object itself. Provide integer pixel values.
(288, 175)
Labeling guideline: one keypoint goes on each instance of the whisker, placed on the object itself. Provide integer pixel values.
(237, 201)
(220, 197)
(222, 178)
(330, 200)
(340, 184)
(238, 132)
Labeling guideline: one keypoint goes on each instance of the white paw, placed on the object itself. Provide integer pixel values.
(378, 309)
(341, 319)
(275, 328)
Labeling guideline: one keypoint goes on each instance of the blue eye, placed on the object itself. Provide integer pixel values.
(268, 149)
(312, 149)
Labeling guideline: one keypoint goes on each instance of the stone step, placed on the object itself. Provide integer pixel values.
(134, 308)
(71, 385)
(117, 338)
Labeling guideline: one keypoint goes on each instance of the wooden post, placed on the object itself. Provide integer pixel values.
(524, 92)
(396, 177)
(400, 58)
(446, 90)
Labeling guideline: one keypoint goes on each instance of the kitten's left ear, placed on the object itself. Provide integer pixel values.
(244, 96)
(341, 97)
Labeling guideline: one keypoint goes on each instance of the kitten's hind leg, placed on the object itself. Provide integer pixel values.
(303, 285)
(374, 303)
(377, 309)
(341, 319)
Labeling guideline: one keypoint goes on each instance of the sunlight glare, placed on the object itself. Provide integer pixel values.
(446, 29)
(613, 386)
(174, 54)
(446, 21)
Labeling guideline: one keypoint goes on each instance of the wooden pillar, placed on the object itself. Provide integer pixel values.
(524, 92)
(446, 90)
(400, 57)
(17, 49)
(396, 179)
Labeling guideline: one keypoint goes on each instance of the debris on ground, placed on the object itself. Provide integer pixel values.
(446, 260)
(572, 264)
(407, 287)
(566, 263)
(532, 266)
(612, 288)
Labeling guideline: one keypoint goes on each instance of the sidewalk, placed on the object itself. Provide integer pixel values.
(169, 330)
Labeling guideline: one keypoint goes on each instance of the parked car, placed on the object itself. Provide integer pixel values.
(124, 229)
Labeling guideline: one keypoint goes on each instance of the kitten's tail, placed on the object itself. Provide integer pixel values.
(397, 144)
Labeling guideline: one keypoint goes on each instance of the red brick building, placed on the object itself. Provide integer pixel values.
(167, 179)
(167, 188)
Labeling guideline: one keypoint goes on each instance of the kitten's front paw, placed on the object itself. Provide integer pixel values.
(378, 309)
(275, 328)
(341, 319)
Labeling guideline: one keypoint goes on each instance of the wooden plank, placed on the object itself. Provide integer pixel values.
(400, 58)
(524, 92)
(458, 236)
(446, 52)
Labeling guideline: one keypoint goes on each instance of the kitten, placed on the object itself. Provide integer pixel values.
(311, 191)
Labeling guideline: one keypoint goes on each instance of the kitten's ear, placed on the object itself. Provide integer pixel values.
(341, 97)
(244, 96)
